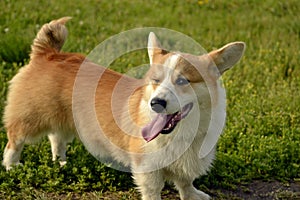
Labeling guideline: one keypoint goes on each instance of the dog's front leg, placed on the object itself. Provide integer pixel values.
(188, 192)
(149, 184)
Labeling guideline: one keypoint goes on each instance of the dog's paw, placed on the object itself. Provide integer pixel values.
(196, 195)
(62, 163)
(202, 196)
(10, 167)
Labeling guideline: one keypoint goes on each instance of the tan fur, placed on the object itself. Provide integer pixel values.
(39, 101)
(44, 99)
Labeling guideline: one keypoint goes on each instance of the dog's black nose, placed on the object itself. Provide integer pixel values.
(158, 105)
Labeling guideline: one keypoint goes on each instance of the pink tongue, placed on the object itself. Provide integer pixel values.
(152, 130)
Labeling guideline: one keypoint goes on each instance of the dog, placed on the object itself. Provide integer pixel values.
(160, 126)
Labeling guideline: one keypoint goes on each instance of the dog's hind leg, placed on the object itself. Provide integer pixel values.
(59, 142)
(12, 151)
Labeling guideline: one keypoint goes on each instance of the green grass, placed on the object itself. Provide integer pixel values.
(262, 135)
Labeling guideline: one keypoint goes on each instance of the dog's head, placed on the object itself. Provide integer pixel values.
(178, 82)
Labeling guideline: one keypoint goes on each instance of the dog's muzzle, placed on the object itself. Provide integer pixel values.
(163, 123)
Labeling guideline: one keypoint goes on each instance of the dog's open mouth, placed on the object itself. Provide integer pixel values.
(164, 123)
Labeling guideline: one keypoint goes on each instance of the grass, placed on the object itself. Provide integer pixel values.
(262, 135)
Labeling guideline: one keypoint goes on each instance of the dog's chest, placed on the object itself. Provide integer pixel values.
(189, 165)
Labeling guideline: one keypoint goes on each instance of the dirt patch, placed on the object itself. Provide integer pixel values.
(260, 190)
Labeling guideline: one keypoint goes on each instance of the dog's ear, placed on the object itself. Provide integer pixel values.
(227, 56)
(154, 47)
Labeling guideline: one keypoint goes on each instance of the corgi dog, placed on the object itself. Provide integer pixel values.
(163, 127)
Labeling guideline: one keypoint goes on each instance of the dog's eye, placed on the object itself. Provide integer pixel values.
(182, 81)
(156, 81)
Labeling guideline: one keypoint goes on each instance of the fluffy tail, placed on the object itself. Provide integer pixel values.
(51, 37)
